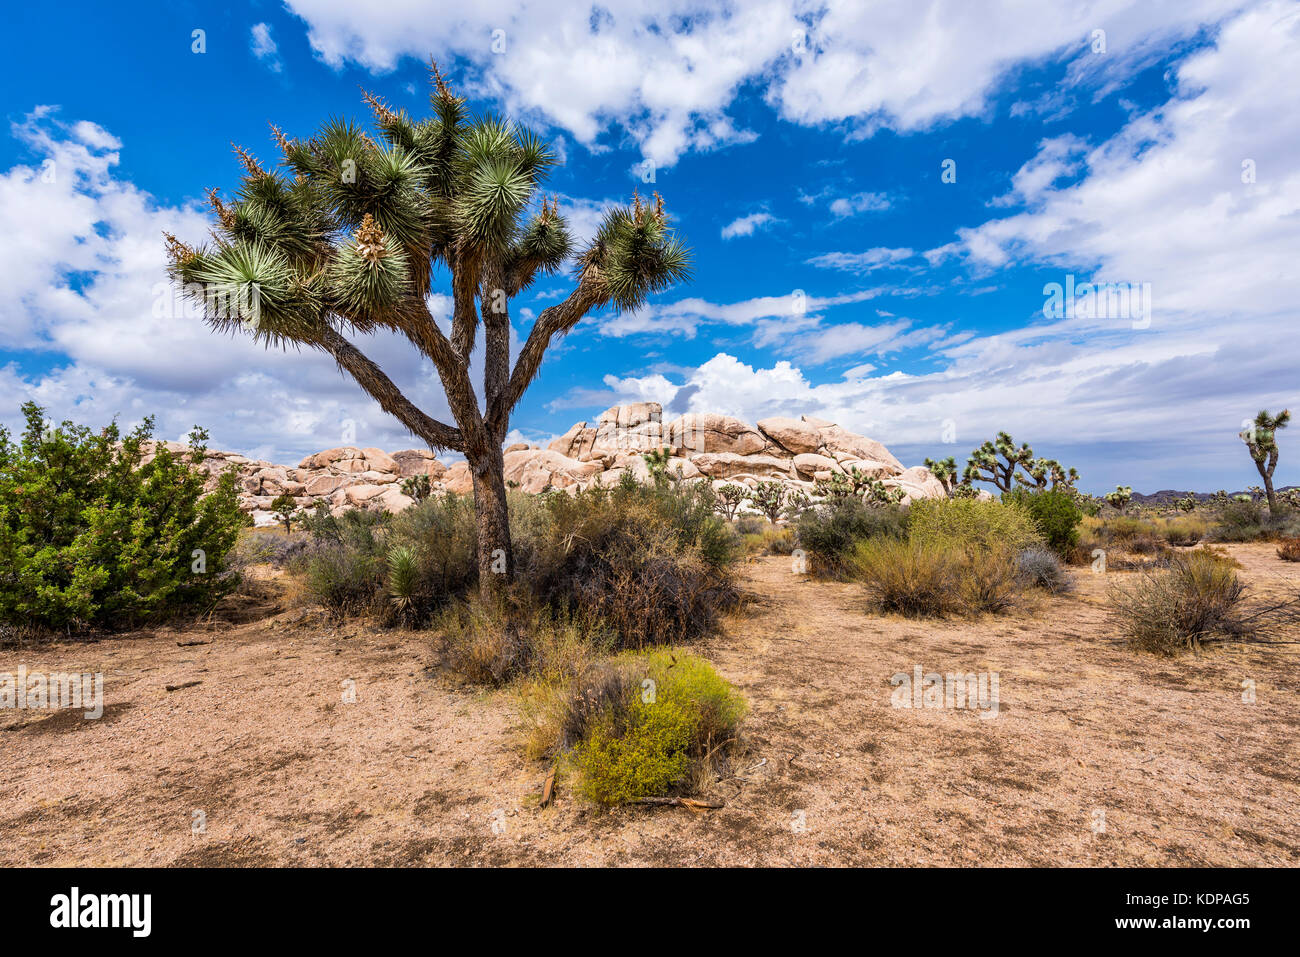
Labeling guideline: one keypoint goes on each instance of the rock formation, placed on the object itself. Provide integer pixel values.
(702, 446)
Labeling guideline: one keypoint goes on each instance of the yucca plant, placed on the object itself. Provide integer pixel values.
(344, 239)
(403, 579)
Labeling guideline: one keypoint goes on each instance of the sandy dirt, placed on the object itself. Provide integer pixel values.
(1097, 755)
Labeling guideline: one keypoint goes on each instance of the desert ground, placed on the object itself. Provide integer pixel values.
(421, 771)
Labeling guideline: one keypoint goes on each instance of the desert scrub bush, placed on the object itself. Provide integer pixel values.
(829, 532)
(343, 578)
(652, 562)
(1245, 520)
(646, 725)
(779, 541)
(910, 578)
(265, 548)
(402, 566)
(1141, 536)
(1055, 512)
(1041, 568)
(343, 567)
(1289, 550)
(492, 641)
(92, 534)
(439, 539)
(972, 523)
(1239, 521)
(924, 579)
(1184, 530)
(1197, 598)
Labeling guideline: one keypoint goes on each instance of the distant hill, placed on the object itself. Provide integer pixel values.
(1169, 496)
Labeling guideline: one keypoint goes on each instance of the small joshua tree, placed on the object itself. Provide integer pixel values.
(1185, 504)
(769, 497)
(945, 470)
(729, 498)
(1261, 441)
(1004, 466)
(838, 485)
(417, 487)
(656, 461)
(1120, 498)
(347, 241)
(878, 495)
(285, 510)
(796, 503)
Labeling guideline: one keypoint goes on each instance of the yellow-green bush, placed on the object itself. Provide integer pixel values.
(923, 579)
(646, 723)
(969, 522)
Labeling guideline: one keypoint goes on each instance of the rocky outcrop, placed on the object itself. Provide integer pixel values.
(702, 446)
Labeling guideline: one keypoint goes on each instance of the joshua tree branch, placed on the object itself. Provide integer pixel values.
(558, 319)
(373, 380)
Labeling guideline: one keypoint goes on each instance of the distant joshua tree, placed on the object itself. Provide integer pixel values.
(1120, 498)
(285, 510)
(768, 498)
(417, 487)
(1261, 441)
(729, 498)
(346, 240)
(1004, 467)
(945, 470)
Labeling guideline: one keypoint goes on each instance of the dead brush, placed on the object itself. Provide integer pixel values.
(1195, 600)
(1289, 550)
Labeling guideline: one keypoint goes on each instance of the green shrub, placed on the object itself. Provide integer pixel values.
(91, 534)
(829, 532)
(973, 523)
(645, 724)
(1055, 512)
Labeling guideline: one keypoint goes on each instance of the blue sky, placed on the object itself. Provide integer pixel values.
(801, 150)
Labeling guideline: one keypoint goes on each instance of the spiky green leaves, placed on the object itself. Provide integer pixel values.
(250, 288)
(542, 248)
(368, 278)
(634, 255)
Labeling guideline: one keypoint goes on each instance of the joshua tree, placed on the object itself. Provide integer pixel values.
(656, 461)
(417, 487)
(729, 498)
(1185, 504)
(769, 497)
(1120, 498)
(1261, 441)
(285, 509)
(945, 470)
(347, 240)
(1004, 466)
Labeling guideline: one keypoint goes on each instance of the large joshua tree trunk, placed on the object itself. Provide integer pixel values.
(496, 559)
